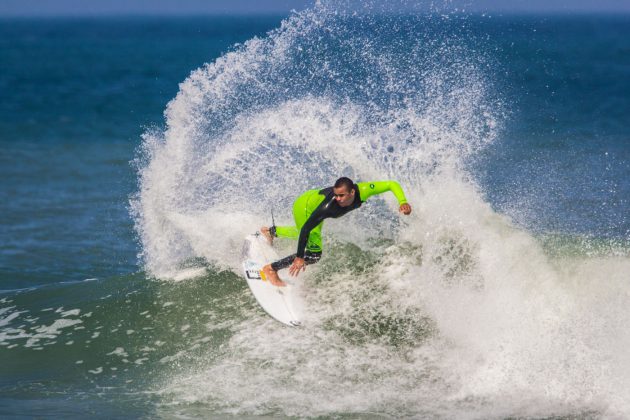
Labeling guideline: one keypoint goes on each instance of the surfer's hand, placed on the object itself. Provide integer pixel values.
(405, 209)
(297, 266)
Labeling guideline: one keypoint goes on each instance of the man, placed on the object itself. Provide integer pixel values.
(309, 211)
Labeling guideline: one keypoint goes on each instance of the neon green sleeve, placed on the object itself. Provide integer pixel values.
(368, 189)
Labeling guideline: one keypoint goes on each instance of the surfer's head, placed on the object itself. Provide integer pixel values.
(344, 191)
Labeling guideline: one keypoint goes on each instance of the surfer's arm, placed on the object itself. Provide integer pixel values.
(368, 189)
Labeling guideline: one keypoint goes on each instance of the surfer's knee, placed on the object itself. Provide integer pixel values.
(312, 257)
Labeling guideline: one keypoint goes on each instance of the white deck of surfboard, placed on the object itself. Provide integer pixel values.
(281, 303)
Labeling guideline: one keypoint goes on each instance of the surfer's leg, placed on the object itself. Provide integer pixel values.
(271, 270)
(302, 209)
(290, 232)
(312, 257)
(314, 242)
(269, 233)
(282, 263)
(309, 258)
(304, 206)
(271, 274)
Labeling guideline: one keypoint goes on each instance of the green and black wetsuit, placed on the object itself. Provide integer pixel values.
(311, 208)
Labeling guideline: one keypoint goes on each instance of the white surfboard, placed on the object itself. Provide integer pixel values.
(281, 303)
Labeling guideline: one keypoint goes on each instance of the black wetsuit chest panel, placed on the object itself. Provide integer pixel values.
(329, 208)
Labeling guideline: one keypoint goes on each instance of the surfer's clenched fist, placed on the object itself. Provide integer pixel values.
(405, 209)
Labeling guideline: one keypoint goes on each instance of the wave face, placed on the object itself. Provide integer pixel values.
(452, 312)
(327, 94)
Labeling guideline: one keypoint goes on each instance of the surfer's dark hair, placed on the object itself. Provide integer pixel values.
(345, 182)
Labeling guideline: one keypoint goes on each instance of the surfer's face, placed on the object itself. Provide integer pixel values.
(343, 196)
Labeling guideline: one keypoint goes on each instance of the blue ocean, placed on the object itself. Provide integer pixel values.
(137, 152)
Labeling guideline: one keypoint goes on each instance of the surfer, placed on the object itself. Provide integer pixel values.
(309, 211)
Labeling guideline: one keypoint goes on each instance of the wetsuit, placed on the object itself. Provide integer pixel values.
(311, 208)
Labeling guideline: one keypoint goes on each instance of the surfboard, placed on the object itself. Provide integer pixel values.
(281, 303)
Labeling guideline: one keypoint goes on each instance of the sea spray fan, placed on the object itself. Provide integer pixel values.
(330, 92)
(449, 312)
(452, 312)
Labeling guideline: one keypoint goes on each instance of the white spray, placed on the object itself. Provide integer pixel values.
(452, 312)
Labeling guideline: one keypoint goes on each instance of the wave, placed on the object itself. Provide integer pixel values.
(452, 312)
(327, 94)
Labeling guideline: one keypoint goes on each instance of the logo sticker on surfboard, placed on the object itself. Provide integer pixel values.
(253, 274)
(252, 271)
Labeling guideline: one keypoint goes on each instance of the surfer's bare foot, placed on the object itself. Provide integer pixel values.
(272, 276)
(267, 234)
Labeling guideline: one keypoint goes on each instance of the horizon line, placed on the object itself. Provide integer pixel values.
(192, 14)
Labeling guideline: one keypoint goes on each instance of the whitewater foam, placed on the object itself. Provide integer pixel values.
(451, 312)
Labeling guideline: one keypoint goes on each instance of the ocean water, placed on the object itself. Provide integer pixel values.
(137, 152)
